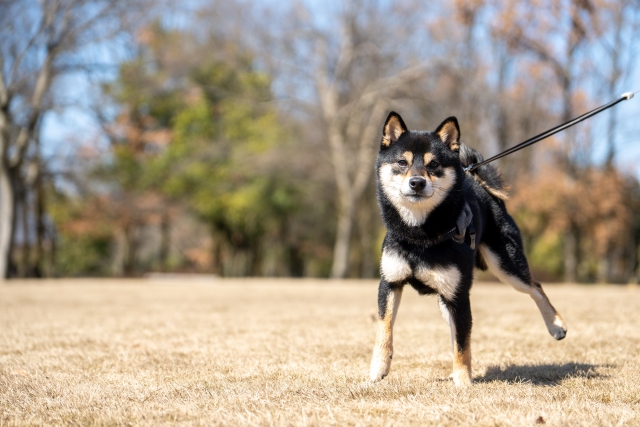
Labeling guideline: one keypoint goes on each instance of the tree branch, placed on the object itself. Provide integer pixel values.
(381, 87)
(18, 60)
(4, 94)
(24, 136)
(367, 147)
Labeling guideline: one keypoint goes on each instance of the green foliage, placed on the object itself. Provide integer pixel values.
(223, 133)
(84, 255)
(546, 254)
(215, 160)
(83, 241)
(199, 134)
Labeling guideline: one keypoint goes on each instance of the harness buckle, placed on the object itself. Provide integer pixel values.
(458, 240)
(472, 236)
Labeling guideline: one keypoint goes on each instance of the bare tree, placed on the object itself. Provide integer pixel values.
(358, 72)
(39, 42)
(530, 31)
(619, 43)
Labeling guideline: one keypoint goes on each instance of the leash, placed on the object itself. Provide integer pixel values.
(464, 232)
(624, 97)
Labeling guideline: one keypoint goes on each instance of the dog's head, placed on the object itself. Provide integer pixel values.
(418, 170)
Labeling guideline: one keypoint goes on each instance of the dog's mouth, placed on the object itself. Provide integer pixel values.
(416, 197)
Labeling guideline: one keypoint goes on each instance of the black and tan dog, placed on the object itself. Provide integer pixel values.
(423, 190)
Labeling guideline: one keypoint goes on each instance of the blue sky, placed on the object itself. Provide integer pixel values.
(64, 128)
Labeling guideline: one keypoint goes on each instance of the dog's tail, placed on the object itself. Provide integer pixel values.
(487, 176)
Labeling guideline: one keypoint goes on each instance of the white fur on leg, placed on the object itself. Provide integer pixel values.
(447, 318)
(461, 377)
(461, 374)
(553, 321)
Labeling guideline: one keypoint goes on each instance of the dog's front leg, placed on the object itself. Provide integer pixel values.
(460, 323)
(388, 302)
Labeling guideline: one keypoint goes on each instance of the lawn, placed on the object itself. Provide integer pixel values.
(296, 352)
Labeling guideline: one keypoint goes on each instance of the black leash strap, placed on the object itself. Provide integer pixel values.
(624, 97)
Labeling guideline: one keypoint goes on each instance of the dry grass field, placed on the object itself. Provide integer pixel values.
(286, 352)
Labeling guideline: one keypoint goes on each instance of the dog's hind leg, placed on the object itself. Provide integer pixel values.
(458, 315)
(510, 266)
(388, 303)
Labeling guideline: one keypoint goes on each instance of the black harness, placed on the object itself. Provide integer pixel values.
(463, 232)
(467, 236)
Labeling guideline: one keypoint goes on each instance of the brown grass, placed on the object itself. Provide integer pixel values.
(284, 352)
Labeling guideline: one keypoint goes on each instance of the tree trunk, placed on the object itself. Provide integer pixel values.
(295, 260)
(367, 233)
(165, 237)
(7, 220)
(40, 227)
(217, 260)
(52, 249)
(570, 256)
(25, 258)
(604, 269)
(255, 260)
(340, 264)
(119, 252)
(132, 241)
(614, 75)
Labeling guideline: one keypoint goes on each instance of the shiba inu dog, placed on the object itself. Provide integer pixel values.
(423, 191)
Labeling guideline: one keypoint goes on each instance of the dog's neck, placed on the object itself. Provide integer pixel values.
(434, 224)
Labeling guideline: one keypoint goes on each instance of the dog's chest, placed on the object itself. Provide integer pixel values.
(395, 268)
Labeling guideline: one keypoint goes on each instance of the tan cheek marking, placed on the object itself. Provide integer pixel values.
(427, 159)
(406, 175)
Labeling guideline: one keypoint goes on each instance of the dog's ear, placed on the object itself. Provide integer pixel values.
(449, 133)
(393, 129)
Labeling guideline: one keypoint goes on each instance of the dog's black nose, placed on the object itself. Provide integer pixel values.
(417, 183)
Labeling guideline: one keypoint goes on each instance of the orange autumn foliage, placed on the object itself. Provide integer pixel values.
(596, 202)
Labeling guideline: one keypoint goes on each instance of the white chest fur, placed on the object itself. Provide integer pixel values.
(444, 280)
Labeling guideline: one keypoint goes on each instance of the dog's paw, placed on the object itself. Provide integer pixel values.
(380, 365)
(557, 329)
(461, 378)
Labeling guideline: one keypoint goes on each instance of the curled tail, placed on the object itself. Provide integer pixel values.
(487, 176)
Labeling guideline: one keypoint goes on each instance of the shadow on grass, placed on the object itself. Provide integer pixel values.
(550, 374)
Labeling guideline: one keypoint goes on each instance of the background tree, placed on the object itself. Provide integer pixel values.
(202, 133)
(358, 73)
(39, 41)
(240, 138)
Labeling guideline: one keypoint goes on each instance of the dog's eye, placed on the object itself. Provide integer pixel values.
(433, 164)
(402, 163)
